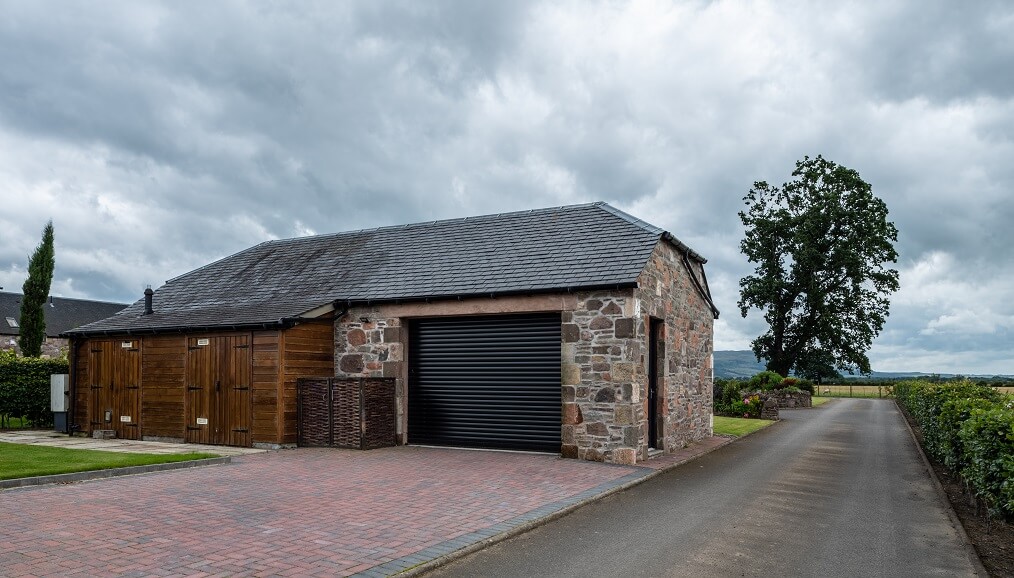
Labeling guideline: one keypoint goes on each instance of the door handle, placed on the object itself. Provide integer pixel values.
(218, 386)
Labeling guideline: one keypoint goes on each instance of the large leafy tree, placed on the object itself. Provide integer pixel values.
(36, 291)
(822, 246)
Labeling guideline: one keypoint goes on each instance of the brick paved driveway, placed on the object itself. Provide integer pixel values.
(303, 512)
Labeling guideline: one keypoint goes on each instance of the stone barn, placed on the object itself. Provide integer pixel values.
(578, 330)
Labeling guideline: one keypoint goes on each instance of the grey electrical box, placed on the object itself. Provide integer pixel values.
(59, 400)
(59, 392)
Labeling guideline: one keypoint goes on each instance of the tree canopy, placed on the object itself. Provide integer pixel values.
(36, 291)
(821, 244)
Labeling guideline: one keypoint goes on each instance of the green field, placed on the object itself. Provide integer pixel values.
(874, 391)
(738, 426)
(819, 400)
(23, 461)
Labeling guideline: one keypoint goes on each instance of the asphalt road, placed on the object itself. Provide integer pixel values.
(833, 491)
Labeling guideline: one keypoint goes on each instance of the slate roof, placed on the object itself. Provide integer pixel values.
(545, 250)
(62, 314)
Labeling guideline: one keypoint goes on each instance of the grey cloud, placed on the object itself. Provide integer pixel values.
(940, 51)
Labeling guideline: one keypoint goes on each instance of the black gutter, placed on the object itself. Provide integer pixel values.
(703, 290)
(683, 247)
(279, 324)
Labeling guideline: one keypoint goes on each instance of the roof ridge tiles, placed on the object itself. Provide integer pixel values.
(631, 219)
(440, 222)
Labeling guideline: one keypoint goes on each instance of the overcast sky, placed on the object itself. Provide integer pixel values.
(161, 136)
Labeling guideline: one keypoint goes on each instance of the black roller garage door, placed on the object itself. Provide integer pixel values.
(488, 382)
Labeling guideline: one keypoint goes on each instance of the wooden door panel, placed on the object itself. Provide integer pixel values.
(127, 396)
(200, 384)
(100, 385)
(218, 405)
(235, 397)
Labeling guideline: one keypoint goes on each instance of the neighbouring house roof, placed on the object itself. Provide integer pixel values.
(62, 314)
(569, 248)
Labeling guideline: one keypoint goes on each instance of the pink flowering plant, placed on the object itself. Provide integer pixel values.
(750, 406)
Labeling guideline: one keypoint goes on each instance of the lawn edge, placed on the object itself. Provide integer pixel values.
(966, 541)
(110, 473)
(735, 437)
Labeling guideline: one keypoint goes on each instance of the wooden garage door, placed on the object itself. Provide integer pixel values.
(491, 382)
(114, 368)
(218, 409)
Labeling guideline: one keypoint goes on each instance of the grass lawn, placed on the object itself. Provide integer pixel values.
(23, 460)
(819, 400)
(738, 426)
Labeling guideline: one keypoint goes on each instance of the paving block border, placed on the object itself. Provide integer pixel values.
(110, 473)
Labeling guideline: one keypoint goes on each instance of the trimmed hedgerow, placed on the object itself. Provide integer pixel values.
(24, 387)
(969, 428)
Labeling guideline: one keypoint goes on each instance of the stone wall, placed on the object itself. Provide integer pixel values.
(603, 378)
(788, 399)
(52, 347)
(367, 345)
(666, 291)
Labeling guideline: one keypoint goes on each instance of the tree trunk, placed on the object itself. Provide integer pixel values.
(779, 365)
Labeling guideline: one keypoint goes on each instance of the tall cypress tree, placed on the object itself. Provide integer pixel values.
(36, 291)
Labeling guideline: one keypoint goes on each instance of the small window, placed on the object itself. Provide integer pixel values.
(12, 322)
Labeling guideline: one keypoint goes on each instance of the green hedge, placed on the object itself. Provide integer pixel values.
(24, 387)
(969, 428)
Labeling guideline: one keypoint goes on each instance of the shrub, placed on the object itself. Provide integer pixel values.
(727, 392)
(805, 385)
(987, 438)
(969, 428)
(948, 447)
(747, 407)
(765, 380)
(24, 387)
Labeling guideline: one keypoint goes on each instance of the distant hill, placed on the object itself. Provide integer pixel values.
(729, 364)
(736, 364)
